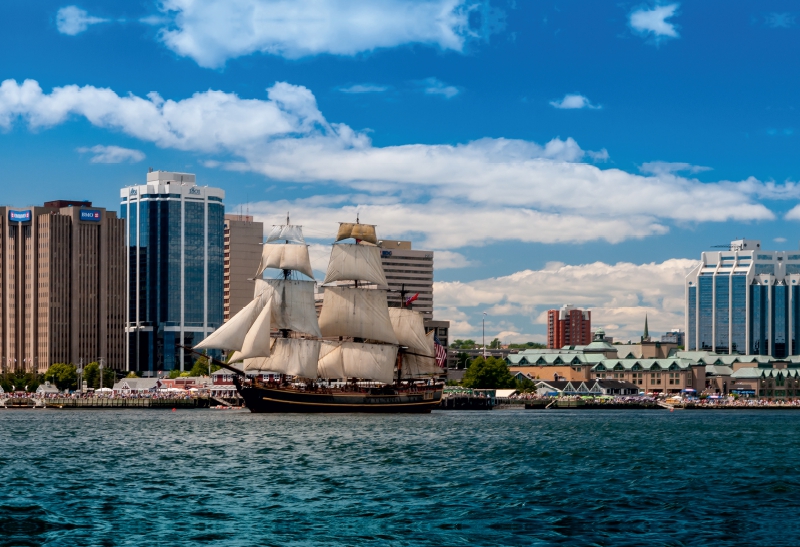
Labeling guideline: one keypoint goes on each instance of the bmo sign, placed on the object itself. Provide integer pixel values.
(19, 216)
(90, 215)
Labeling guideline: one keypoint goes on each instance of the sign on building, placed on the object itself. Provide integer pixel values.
(90, 215)
(19, 216)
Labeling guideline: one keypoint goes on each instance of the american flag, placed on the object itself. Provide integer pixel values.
(441, 352)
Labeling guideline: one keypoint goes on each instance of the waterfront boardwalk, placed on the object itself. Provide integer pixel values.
(107, 402)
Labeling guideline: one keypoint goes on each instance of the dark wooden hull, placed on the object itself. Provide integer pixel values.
(263, 398)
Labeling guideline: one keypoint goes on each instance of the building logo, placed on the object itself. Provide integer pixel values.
(194, 190)
(386, 254)
(19, 216)
(90, 215)
(133, 192)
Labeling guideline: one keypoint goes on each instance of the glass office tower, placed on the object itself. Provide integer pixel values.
(745, 301)
(174, 235)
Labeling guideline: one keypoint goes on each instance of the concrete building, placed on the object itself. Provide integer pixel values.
(62, 294)
(243, 239)
(675, 336)
(744, 301)
(412, 269)
(175, 269)
(568, 326)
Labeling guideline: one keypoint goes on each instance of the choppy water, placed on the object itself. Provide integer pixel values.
(199, 477)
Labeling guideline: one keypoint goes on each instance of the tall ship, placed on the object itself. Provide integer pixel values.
(360, 355)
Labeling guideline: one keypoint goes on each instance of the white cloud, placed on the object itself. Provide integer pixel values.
(617, 294)
(573, 101)
(779, 20)
(667, 168)
(72, 20)
(364, 88)
(434, 86)
(444, 260)
(213, 31)
(653, 21)
(113, 154)
(541, 192)
(779, 240)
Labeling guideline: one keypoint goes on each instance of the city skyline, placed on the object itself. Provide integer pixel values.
(575, 153)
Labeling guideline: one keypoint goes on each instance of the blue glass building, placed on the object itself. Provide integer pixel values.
(745, 301)
(174, 235)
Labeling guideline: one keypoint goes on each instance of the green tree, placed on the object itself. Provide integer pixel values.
(527, 345)
(461, 362)
(132, 374)
(490, 373)
(200, 367)
(174, 373)
(463, 344)
(64, 376)
(91, 375)
(495, 344)
(524, 384)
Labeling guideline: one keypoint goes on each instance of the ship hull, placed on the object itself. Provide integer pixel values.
(274, 399)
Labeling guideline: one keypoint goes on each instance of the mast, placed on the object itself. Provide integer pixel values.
(285, 304)
(356, 312)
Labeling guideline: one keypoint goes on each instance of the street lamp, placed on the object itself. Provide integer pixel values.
(484, 335)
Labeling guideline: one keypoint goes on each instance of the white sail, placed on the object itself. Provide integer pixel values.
(410, 330)
(257, 341)
(231, 334)
(364, 232)
(369, 361)
(286, 232)
(360, 313)
(361, 262)
(292, 305)
(330, 360)
(423, 364)
(357, 360)
(292, 356)
(285, 257)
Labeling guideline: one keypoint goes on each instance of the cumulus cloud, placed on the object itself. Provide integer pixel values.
(113, 154)
(72, 20)
(617, 294)
(652, 22)
(364, 88)
(573, 101)
(213, 31)
(434, 86)
(445, 260)
(542, 192)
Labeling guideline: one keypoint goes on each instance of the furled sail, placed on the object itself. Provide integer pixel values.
(361, 262)
(292, 356)
(292, 305)
(285, 257)
(257, 341)
(357, 360)
(421, 365)
(361, 313)
(364, 232)
(410, 330)
(286, 232)
(231, 335)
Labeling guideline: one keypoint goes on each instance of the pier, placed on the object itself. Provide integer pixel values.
(105, 402)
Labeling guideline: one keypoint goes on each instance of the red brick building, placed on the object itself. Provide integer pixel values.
(568, 326)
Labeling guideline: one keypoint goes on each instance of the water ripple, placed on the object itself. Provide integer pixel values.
(136, 477)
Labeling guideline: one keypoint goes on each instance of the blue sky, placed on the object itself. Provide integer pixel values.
(569, 151)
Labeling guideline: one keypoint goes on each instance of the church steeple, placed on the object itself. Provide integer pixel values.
(646, 335)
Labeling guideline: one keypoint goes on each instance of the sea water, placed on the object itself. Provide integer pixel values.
(507, 477)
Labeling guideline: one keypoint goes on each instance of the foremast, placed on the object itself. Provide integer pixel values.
(284, 304)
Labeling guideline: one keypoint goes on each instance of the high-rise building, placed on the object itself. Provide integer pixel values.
(744, 301)
(243, 239)
(62, 286)
(408, 272)
(175, 268)
(568, 326)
